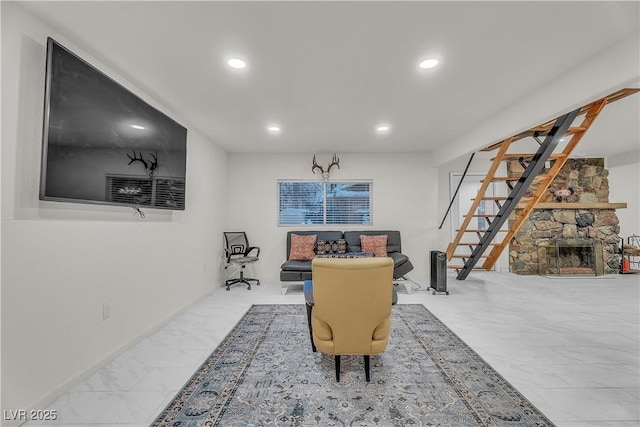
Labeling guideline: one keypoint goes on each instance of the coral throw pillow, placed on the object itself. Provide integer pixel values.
(377, 245)
(302, 247)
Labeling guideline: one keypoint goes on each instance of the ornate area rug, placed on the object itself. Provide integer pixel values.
(265, 374)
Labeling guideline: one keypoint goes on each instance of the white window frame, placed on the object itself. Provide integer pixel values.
(324, 202)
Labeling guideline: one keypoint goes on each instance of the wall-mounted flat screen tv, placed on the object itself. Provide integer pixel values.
(103, 144)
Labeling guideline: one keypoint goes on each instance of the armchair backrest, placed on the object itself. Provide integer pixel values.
(352, 304)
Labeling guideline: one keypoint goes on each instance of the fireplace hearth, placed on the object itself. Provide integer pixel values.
(571, 257)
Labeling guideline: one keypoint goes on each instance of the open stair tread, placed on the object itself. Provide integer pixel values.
(468, 230)
(466, 256)
(544, 129)
(460, 267)
(493, 198)
(499, 198)
(474, 244)
(516, 156)
(516, 178)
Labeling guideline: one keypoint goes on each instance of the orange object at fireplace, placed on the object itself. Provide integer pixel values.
(625, 265)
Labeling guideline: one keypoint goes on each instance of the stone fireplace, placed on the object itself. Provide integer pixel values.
(570, 232)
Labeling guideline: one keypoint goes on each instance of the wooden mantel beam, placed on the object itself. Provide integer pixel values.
(591, 205)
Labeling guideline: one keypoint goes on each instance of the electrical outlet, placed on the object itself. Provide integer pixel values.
(106, 311)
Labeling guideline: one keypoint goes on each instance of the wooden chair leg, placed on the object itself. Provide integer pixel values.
(313, 345)
(366, 367)
(337, 368)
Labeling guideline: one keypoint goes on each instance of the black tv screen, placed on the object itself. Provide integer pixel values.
(102, 144)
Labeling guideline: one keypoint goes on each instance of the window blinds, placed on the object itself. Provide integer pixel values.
(312, 202)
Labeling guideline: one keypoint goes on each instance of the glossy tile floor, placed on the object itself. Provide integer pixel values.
(571, 346)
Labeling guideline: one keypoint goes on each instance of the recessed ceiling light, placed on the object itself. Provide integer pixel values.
(137, 127)
(383, 128)
(428, 63)
(273, 128)
(236, 63)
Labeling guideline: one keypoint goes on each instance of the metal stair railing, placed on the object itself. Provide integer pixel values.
(455, 194)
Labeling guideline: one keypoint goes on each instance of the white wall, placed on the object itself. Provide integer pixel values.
(624, 176)
(404, 198)
(61, 262)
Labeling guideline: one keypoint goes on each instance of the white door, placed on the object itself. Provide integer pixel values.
(461, 205)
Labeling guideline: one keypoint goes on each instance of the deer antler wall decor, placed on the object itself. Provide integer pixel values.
(149, 166)
(335, 161)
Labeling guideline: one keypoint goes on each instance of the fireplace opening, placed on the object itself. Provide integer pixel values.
(572, 257)
(576, 260)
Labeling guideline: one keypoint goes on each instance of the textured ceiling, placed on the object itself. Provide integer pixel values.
(329, 72)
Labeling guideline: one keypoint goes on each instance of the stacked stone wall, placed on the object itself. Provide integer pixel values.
(586, 181)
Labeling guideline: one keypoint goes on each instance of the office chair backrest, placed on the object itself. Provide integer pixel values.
(236, 242)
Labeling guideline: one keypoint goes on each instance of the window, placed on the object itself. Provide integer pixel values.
(152, 192)
(312, 202)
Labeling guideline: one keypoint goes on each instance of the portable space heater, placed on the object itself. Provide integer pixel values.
(439, 272)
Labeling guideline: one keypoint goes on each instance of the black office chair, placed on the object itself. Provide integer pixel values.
(237, 252)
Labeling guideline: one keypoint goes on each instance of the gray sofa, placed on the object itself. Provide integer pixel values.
(299, 271)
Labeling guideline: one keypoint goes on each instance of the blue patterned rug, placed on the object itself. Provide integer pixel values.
(265, 374)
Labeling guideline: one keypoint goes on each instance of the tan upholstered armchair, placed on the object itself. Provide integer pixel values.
(352, 306)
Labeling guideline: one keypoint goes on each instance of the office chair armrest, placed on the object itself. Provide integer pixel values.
(251, 249)
(227, 255)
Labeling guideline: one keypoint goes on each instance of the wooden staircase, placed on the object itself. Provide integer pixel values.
(495, 238)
